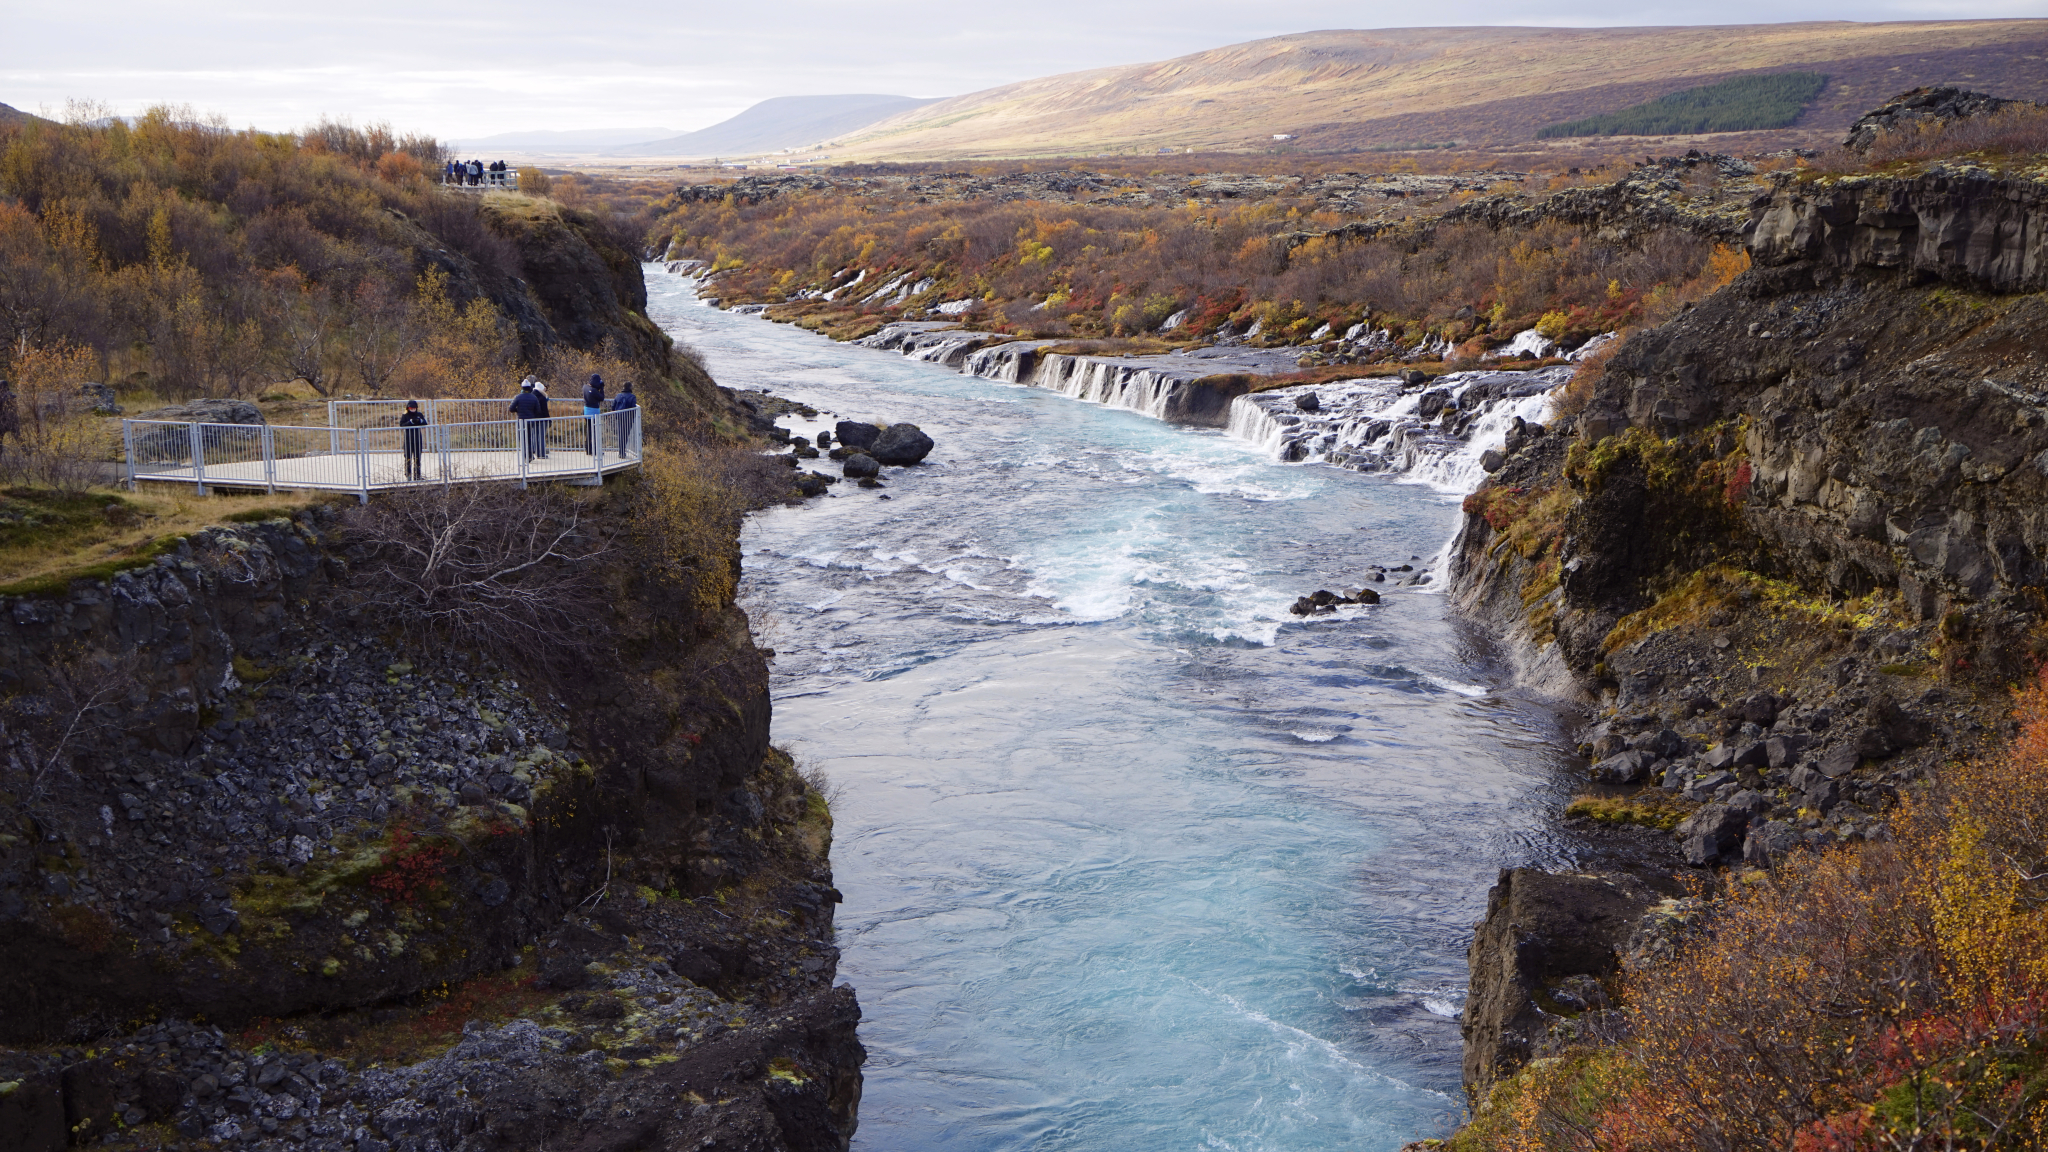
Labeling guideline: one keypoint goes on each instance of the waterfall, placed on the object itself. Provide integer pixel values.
(1136, 386)
(1433, 435)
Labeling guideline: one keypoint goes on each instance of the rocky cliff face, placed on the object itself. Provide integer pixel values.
(230, 799)
(1790, 548)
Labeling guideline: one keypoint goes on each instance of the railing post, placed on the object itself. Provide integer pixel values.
(522, 438)
(441, 444)
(597, 446)
(362, 469)
(269, 462)
(198, 440)
(128, 451)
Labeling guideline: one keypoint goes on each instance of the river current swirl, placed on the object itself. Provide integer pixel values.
(1132, 858)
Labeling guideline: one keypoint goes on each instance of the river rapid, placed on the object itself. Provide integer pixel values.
(1132, 858)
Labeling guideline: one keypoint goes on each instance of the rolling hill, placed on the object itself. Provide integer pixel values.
(779, 123)
(1339, 90)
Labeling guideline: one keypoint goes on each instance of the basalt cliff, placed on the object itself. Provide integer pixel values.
(1786, 549)
(275, 876)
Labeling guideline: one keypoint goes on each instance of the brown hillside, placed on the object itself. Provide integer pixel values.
(1350, 89)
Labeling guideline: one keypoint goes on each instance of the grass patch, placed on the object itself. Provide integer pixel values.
(1739, 591)
(48, 540)
(1645, 809)
(1743, 104)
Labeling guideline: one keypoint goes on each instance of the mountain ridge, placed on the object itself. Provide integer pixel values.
(1329, 89)
(778, 123)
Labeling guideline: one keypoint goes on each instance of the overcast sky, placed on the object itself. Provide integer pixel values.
(461, 71)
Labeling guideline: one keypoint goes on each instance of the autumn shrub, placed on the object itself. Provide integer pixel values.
(48, 438)
(1891, 994)
(1096, 270)
(213, 261)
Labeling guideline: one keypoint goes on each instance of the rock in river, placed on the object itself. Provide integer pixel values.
(860, 465)
(854, 434)
(902, 444)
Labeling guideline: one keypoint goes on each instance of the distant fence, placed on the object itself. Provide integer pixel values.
(371, 454)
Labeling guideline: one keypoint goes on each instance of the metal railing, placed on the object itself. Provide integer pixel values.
(484, 183)
(577, 449)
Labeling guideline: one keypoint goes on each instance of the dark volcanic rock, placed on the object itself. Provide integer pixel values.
(1540, 929)
(860, 466)
(208, 412)
(902, 444)
(1920, 106)
(854, 434)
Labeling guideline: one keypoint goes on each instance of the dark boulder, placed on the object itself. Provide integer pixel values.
(1713, 832)
(1308, 402)
(1623, 768)
(901, 444)
(208, 412)
(859, 466)
(1367, 596)
(854, 434)
(1540, 931)
(1922, 107)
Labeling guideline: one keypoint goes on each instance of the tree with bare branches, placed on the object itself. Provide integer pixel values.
(510, 572)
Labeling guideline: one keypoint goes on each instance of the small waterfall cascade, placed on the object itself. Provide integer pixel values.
(1434, 434)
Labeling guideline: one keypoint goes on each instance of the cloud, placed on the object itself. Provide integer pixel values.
(468, 70)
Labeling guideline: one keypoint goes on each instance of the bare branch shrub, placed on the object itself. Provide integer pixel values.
(42, 729)
(513, 573)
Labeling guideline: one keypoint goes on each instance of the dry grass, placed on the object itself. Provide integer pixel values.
(96, 532)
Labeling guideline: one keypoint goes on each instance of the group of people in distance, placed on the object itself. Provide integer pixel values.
(531, 406)
(475, 172)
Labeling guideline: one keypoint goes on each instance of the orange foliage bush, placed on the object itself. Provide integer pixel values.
(1888, 995)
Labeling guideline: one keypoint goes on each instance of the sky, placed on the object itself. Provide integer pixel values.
(466, 70)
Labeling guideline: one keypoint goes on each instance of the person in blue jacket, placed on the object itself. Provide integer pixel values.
(531, 409)
(629, 404)
(593, 404)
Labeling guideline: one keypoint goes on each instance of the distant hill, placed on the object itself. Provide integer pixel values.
(12, 115)
(570, 140)
(1336, 90)
(779, 123)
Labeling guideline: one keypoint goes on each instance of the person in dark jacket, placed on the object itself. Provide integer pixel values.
(629, 404)
(529, 407)
(593, 405)
(415, 440)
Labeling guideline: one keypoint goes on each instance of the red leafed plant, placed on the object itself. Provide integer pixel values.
(412, 867)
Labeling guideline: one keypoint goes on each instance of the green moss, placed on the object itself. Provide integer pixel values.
(59, 583)
(1645, 810)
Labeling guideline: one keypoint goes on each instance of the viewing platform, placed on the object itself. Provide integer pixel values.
(362, 449)
(500, 181)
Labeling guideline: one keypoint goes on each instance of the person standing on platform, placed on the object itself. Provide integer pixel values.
(540, 390)
(625, 402)
(415, 440)
(529, 407)
(593, 405)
